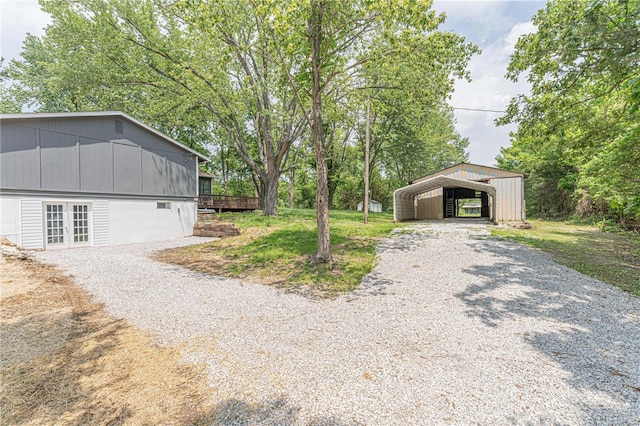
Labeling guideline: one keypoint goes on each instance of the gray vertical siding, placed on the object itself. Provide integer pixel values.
(19, 157)
(127, 168)
(89, 154)
(96, 175)
(59, 161)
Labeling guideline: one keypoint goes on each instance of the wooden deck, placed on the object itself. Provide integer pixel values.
(227, 202)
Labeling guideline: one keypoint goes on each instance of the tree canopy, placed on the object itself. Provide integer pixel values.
(251, 80)
(579, 130)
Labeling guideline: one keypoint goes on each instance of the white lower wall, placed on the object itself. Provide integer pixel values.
(10, 218)
(135, 221)
(113, 221)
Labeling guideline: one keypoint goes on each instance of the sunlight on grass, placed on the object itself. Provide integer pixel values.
(613, 257)
(278, 250)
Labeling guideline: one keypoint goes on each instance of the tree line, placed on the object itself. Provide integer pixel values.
(579, 130)
(273, 90)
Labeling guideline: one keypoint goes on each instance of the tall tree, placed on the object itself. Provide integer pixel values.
(413, 130)
(340, 38)
(578, 130)
(260, 71)
(176, 64)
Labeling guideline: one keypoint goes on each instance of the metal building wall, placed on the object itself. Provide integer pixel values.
(429, 205)
(91, 154)
(509, 191)
(403, 208)
(509, 198)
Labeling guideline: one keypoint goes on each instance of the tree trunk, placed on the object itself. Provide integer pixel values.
(225, 171)
(270, 197)
(291, 196)
(331, 192)
(291, 189)
(322, 200)
(322, 208)
(365, 204)
(291, 178)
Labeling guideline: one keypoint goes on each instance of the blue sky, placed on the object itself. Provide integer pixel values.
(493, 25)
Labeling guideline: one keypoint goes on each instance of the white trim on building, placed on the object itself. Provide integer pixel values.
(433, 196)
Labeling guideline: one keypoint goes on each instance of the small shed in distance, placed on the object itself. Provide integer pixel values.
(472, 209)
(374, 206)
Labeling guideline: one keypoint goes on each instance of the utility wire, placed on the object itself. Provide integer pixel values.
(479, 109)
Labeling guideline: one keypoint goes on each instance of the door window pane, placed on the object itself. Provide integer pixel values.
(55, 229)
(80, 223)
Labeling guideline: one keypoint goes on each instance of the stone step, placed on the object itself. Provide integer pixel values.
(215, 229)
(203, 217)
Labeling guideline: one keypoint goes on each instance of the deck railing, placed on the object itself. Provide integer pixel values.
(228, 202)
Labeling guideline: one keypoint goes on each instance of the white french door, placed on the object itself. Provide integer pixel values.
(67, 224)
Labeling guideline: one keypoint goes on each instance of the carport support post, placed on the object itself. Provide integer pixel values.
(495, 208)
(367, 143)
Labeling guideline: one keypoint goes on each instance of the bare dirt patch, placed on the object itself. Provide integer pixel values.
(65, 361)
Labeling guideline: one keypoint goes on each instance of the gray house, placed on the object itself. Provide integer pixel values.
(95, 178)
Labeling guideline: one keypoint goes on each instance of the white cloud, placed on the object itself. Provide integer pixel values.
(515, 33)
(495, 27)
(488, 90)
(17, 18)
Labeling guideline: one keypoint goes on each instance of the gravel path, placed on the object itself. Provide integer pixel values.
(452, 327)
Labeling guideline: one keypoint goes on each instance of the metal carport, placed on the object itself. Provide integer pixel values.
(404, 198)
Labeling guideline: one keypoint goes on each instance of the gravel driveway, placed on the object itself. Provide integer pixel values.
(452, 327)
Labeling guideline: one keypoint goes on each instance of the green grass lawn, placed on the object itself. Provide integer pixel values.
(278, 250)
(613, 257)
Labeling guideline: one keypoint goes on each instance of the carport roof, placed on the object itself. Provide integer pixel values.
(410, 191)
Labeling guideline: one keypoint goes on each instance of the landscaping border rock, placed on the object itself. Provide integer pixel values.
(215, 229)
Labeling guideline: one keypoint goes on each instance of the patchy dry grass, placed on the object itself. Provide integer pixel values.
(64, 361)
(613, 257)
(278, 250)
